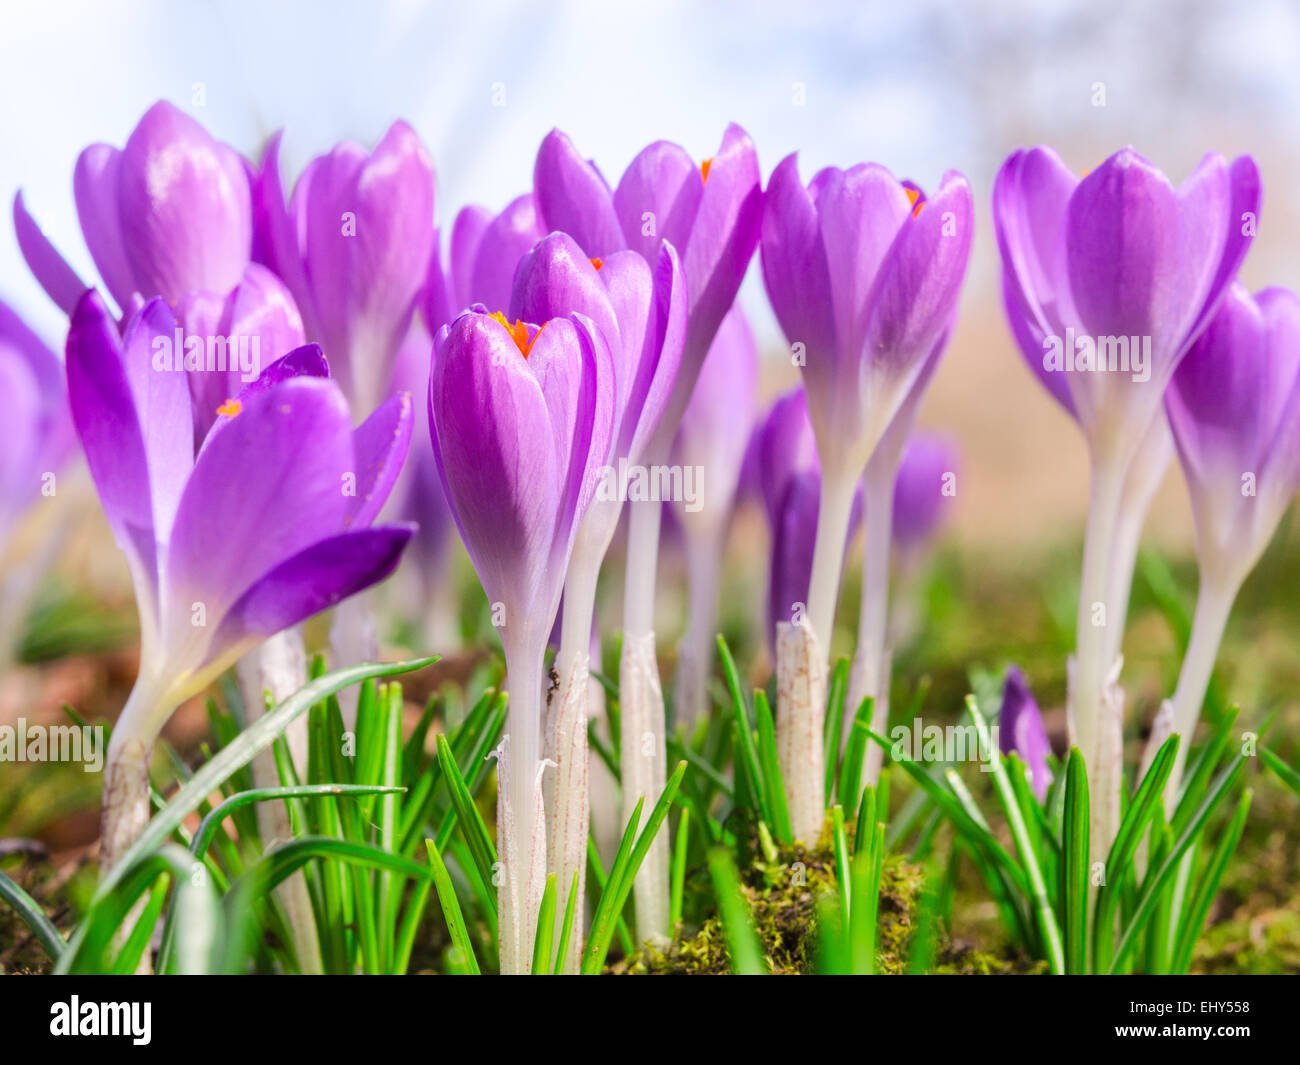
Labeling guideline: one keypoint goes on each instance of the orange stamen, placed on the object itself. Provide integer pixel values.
(704, 170)
(518, 333)
(597, 263)
(230, 408)
(913, 196)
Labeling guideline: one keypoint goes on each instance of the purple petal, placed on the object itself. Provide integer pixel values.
(502, 245)
(96, 185)
(316, 578)
(919, 500)
(466, 236)
(381, 443)
(103, 410)
(183, 206)
(573, 198)
(266, 486)
(1021, 730)
(50, 269)
(658, 198)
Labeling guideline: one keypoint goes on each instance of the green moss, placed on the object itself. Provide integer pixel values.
(783, 897)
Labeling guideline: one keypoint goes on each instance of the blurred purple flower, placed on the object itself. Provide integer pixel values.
(38, 426)
(1020, 729)
(919, 500)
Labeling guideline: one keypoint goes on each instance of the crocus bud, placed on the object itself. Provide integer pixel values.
(1234, 408)
(1108, 278)
(522, 419)
(353, 245)
(168, 214)
(864, 278)
(1020, 729)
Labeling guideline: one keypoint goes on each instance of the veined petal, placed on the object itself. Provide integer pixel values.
(381, 443)
(502, 245)
(96, 185)
(573, 198)
(658, 198)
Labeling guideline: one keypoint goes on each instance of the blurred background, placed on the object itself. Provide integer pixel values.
(920, 87)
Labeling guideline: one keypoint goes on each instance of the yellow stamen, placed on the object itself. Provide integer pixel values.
(518, 333)
(704, 170)
(230, 408)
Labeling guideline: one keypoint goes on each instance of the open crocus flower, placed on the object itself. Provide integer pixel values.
(1234, 408)
(640, 311)
(710, 447)
(1020, 729)
(1107, 281)
(522, 422)
(710, 214)
(267, 523)
(864, 275)
(353, 244)
(167, 215)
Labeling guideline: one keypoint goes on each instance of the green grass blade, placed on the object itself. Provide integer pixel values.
(677, 882)
(471, 821)
(1074, 869)
(451, 909)
(775, 785)
(33, 917)
(566, 930)
(742, 941)
(1049, 930)
(545, 938)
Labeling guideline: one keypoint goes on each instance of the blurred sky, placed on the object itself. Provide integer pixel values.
(919, 86)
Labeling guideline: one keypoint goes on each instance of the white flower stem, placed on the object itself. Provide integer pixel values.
(279, 666)
(704, 545)
(1095, 718)
(802, 648)
(521, 820)
(1213, 605)
(869, 675)
(567, 800)
(641, 703)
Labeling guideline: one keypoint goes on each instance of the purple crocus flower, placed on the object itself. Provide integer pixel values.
(1107, 281)
(1234, 408)
(711, 443)
(710, 214)
(1020, 729)
(1119, 254)
(353, 244)
(264, 524)
(863, 272)
(167, 215)
(522, 419)
(641, 313)
(920, 499)
(38, 428)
